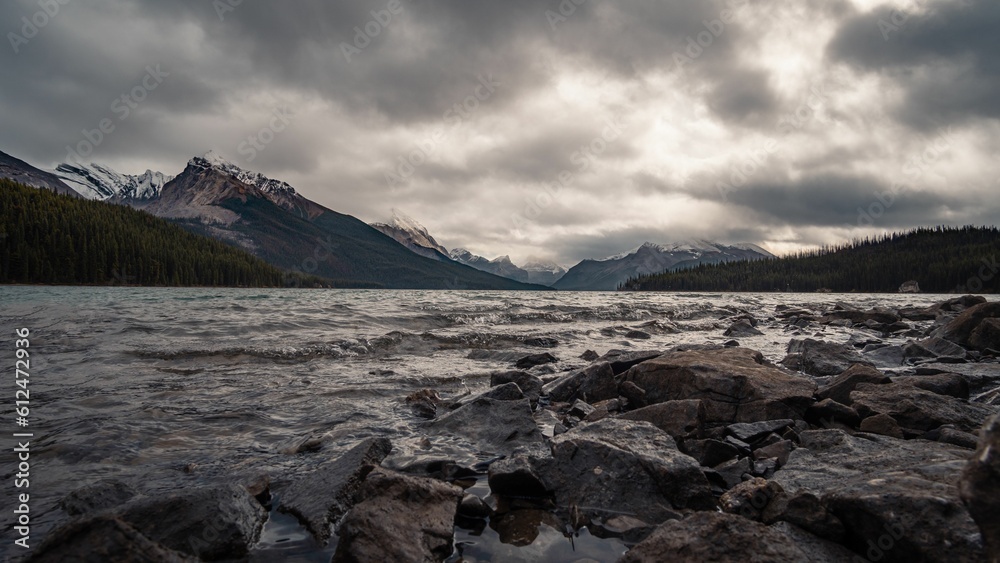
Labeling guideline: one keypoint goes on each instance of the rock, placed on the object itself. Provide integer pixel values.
(581, 409)
(942, 347)
(211, 523)
(980, 486)
(918, 409)
(492, 425)
(986, 336)
(259, 486)
(623, 360)
(97, 497)
(541, 342)
(630, 529)
(886, 356)
(961, 329)
(910, 287)
(816, 357)
(841, 386)
(883, 425)
(732, 472)
(635, 395)
(589, 356)
(638, 335)
(948, 384)
(710, 453)
(324, 496)
(806, 511)
(742, 329)
(516, 476)
(828, 410)
(750, 432)
(505, 392)
(957, 438)
(778, 451)
(712, 536)
(750, 498)
(520, 528)
(474, 507)
(530, 385)
(680, 419)
(424, 404)
(399, 518)
(594, 383)
(103, 538)
(315, 442)
(535, 360)
(623, 467)
(735, 384)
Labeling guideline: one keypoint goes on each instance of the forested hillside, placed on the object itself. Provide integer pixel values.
(51, 238)
(941, 260)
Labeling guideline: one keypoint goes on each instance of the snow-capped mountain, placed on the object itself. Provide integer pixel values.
(280, 193)
(501, 266)
(96, 181)
(544, 273)
(411, 234)
(20, 171)
(650, 258)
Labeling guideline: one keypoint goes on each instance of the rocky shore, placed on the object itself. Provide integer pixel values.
(838, 452)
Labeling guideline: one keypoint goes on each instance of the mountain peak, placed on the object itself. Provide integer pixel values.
(214, 159)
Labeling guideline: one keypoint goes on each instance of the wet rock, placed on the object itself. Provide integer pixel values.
(817, 357)
(589, 356)
(839, 389)
(617, 466)
(541, 342)
(399, 518)
(516, 476)
(630, 529)
(505, 392)
(680, 419)
(97, 497)
(623, 360)
(530, 385)
(638, 335)
(807, 511)
(829, 410)
(942, 347)
(986, 337)
(732, 472)
(592, 384)
(101, 539)
(750, 498)
(980, 486)
(883, 425)
(324, 496)
(423, 403)
(750, 432)
(742, 329)
(533, 360)
(948, 384)
(918, 409)
(308, 444)
(712, 536)
(211, 523)
(474, 507)
(635, 395)
(961, 329)
(491, 424)
(710, 453)
(886, 356)
(521, 527)
(735, 384)
(259, 486)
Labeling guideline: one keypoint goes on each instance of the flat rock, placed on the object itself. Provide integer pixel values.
(492, 425)
(103, 538)
(680, 419)
(399, 518)
(750, 432)
(948, 384)
(324, 496)
(735, 384)
(840, 387)
(97, 497)
(980, 486)
(918, 409)
(594, 383)
(533, 360)
(817, 357)
(622, 360)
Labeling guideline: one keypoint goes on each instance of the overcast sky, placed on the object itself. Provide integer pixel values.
(534, 128)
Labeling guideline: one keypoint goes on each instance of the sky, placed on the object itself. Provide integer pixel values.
(539, 129)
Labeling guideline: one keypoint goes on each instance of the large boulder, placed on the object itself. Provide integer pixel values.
(820, 358)
(980, 486)
(211, 523)
(592, 384)
(680, 419)
(491, 425)
(727, 538)
(399, 518)
(325, 495)
(970, 329)
(617, 466)
(949, 384)
(918, 409)
(103, 539)
(735, 384)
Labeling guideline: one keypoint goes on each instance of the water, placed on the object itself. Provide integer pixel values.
(165, 388)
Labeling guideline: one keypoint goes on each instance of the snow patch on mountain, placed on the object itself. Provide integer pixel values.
(96, 181)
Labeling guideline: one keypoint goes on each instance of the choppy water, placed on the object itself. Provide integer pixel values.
(176, 387)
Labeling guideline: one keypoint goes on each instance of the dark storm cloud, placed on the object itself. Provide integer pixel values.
(943, 56)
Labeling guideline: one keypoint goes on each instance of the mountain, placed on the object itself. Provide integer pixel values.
(544, 273)
(20, 171)
(268, 218)
(501, 266)
(940, 260)
(95, 181)
(609, 273)
(411, 234)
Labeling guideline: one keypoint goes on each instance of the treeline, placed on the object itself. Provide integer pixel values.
(55, 239)
(941, 260)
